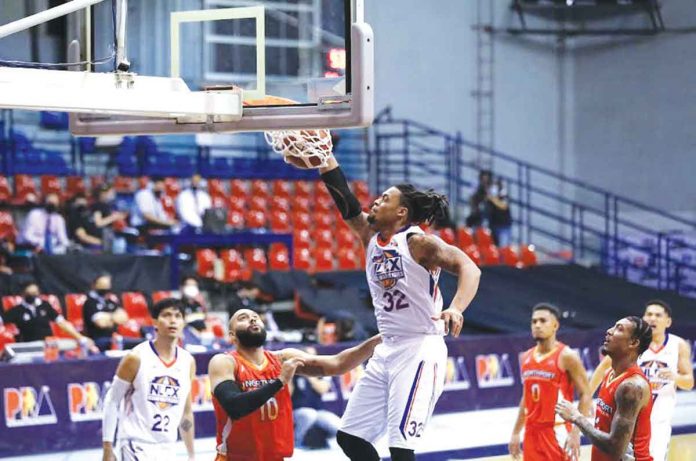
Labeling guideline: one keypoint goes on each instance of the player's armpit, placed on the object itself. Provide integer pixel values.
(432, 253)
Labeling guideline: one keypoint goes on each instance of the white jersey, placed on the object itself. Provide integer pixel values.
(405, 294)
(652, 361)
(154, 405)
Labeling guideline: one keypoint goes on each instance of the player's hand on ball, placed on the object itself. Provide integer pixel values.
(514, 447)
(453, 321)
(288, 369)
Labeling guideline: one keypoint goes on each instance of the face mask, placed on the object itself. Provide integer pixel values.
(30, 299)
(190, 291)
(102, 292)
(158, 193)
(51, 208)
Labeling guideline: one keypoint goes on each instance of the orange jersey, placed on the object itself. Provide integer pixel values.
(544, 382)
(606, 406)
(267, 433)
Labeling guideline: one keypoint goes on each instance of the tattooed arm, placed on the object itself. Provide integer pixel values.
(186, 427)
(631, 396)
(329, 365)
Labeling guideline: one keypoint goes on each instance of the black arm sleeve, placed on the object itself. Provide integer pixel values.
(347, 204)
(238, 404)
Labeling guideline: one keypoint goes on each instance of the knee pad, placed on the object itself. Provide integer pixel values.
(355, 448)
(402, 454)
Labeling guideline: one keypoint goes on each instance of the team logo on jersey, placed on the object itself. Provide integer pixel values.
(493, 370)
(456, 374)
(388, 268)
(26, 407)
(164, 392)
(86, 400)
(201, 395)
(651, 370)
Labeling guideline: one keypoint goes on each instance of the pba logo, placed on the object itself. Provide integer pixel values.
(388, 268)
(201, 395)
(164, 392)
(493, 370)
(456, 375)
(86, 400)
(26, 407)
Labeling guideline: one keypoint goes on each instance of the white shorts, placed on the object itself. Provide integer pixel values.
(133, 450)
(397, 394)
(660, 433)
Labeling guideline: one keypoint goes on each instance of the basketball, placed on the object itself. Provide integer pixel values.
(304, 149)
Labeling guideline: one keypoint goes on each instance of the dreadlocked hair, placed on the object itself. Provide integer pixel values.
(423, 206)
(642, 332)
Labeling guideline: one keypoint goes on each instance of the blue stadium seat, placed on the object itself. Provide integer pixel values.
(54, 120)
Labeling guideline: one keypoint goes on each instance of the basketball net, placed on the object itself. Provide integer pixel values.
(311, 147)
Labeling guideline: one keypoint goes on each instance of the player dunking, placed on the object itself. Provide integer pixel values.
(253, 409)
(621, 429)
(155, 379)
(667, 364)
(405, 377)
(550, 371)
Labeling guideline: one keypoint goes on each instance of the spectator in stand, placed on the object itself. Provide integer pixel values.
(194, 311)
(500, 218)
(308, 406)
(478, 204)
(44, 228)
(33, 317)
(192, 203)
(81, 228)
(102, 312)
(104, 214)
(148, 212)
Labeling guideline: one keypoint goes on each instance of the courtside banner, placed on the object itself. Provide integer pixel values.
(48, 407)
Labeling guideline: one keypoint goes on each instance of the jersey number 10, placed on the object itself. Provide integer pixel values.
(269, 411)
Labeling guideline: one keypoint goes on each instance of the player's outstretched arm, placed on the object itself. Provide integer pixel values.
(514, 445)
(631, 396)
(685, 371)
(432, 253)
(187, 429)
(599, 373)
(330, 365)
(230, 396)
(346, 202)
(125, 374)
(571, 363)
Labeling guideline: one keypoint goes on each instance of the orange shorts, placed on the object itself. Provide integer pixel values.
(541, 444)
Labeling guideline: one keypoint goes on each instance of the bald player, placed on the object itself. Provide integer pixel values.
(253, 409)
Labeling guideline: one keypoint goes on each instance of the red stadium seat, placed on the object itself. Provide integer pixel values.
(239, 187)
(323, 238)
(323, 259)
(301, 238)
(7, 335)
(323, 220)
(24, 187)
(361, 191)
(217, 326)
(237, 203)
(490, 256)
(258, 203)
(158, 296)
(8, 231)
(509, 257)
(259, 188)
(303, 189)
(280, 221)
(256, 259)
(324, 203)
(279, 203)
(124, 185)
(464, 237)
(8, 302)
(300, 204)
(301, 220)
(528, 255)
(279, 258)
(73, 306)
(302, 259)
(348, 259)
(235, 219)
(216, 188)
(5, 191)
(54, 302)
(75, 185)
(217, 201)
(96, 181)
(205, 260)
(447, 236)
(473, 253)
(281, 188)
(136, 307)
(483, 237)
(131, 329)
(345, 238)
(234, 268)
(172, 187)
(255, 219)
(51, 185)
